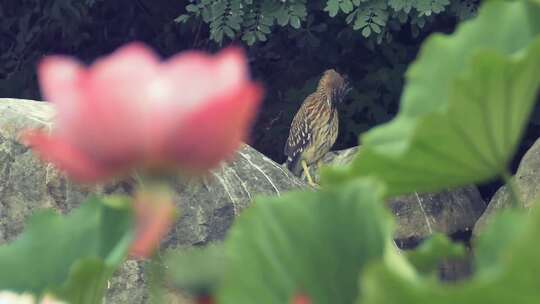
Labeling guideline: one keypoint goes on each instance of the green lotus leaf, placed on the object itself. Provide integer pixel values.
(307, 243)
(508, 271)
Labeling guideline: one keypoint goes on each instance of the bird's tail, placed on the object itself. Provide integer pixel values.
(294, 165)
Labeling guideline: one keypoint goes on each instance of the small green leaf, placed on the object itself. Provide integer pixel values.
(420, 22)
(460, 118)
(313, 243)
(181, 19)
(192, 8)
(234, 21)
(366, 31)
(249, 38)
(332, 7)
(229, 32)
(299, 10)
(431, 252)
(350, 18)
(217, 35)
(68, 254)
(295, 22)
(282, 17)
(218, 9)
(265, 29)
(261, 36)
(361, 21)
(397, 5)
(378, 19)
(346, 6)
(267, 20)
(375, 28)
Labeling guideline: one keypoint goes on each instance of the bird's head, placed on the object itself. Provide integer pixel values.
(334, 86)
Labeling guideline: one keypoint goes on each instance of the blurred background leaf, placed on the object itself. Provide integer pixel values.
(72, 256)
(195, 270)
(511, 277)
(432, 251)
(309, 243)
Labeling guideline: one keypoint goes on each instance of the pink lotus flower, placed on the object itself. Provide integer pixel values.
(129, 110)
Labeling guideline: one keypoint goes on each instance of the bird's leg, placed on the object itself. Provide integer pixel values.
(319, 164)
(306, 171)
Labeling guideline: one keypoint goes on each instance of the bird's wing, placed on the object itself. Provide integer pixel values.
(300, 137)
(300, 132)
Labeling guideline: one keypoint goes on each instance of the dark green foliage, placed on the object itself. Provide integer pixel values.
(248, 19)
(252, 21)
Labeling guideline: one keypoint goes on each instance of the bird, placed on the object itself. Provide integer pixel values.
(314, 128)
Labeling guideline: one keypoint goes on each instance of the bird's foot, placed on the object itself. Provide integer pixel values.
(308, 176)
(313, 184)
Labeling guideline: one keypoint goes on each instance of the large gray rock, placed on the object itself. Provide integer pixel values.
(449, 211)
(527, 181)
(208, 206)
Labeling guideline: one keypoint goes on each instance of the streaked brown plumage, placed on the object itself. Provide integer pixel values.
(314, 128)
